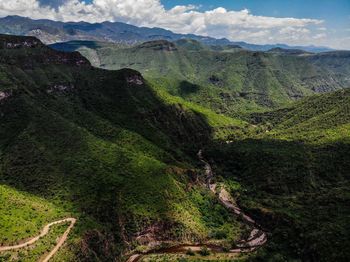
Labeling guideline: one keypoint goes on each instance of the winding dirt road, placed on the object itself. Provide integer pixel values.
(44, 232)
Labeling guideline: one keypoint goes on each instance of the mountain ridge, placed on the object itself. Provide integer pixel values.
(228, 79)
(116, 151)
(56, 31)
(104, 147)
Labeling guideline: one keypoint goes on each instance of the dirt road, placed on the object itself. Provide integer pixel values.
(44, 232)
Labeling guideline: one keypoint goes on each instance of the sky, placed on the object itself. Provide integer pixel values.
(293, 22)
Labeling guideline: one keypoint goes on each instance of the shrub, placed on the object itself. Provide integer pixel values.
(204, 251)
(190, 252)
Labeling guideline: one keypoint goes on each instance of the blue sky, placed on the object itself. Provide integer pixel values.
(336, 13)
(294, 22)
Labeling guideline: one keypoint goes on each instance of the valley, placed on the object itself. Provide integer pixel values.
(184, 149)
(229, 80)
(255, 239)
(51, 150)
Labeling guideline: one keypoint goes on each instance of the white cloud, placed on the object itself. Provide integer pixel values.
(319, 36)
(219, 22)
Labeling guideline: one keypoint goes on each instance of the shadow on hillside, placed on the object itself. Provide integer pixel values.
(298, 192)
(187, 88)
(72, 46)
(102, 150)
(283, 166)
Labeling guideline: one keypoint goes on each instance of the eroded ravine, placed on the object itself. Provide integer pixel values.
(44, 232)
(256, 238)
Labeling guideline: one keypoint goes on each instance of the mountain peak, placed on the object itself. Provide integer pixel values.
(37, 53)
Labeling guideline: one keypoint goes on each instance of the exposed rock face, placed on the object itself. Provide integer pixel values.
(46, 37)
(45, 55)
(135, 79)
(59, 88)
(13, 42)
(132, 77)
(4, 95)
(321, 89)
(154, 234)
(67, 58)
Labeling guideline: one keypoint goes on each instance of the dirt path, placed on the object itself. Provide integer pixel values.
(134, 258)
(44, 232)
(209, 174)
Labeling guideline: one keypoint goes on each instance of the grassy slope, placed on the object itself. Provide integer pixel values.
(112, 153)
(24, 215)
(222, 125)
(36, 252)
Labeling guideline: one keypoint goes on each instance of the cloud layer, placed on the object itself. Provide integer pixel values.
(220, 22)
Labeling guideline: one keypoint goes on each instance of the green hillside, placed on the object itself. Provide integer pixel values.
(317, 119)
(228, 79)
(118, 151)
(104, 147)
(294, 169)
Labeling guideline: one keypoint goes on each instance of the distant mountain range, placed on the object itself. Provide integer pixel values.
(50, 32)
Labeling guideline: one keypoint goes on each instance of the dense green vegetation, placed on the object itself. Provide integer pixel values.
(294, 177)
(118, 151)
(103, 146)
(224, 228)
(227, 79)
(299, 193)
(318, 119)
